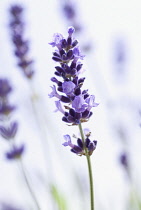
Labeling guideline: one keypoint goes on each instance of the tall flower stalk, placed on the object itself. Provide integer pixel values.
(8, 130)
(26, 64)
(77, 102)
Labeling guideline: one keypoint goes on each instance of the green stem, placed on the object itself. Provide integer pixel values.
(28, 184)
(89, 169)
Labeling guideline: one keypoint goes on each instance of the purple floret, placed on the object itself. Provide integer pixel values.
(68, 87)
(5, 88)
(15, 152)
(10, 131)
(57, 40)
(79, 104)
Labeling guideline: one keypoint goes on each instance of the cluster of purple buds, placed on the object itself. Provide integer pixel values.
(78, 102)
(79, 149)
(8, 129)
(21, 45)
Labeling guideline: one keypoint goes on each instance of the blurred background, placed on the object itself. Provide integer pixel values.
(109, 34)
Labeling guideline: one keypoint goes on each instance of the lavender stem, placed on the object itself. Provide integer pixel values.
(89, 169)
(22, 168)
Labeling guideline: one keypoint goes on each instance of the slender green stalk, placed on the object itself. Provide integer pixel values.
(89, 169)
(28, 184)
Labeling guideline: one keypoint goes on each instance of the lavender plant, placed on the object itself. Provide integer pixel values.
(8, 130)
(24, 62)
(73, 102)
(21, 45)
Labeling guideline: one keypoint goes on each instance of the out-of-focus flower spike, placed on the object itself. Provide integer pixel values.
(20, 43)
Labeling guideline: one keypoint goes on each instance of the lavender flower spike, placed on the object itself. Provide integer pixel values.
(20, 43)
(70, 83)
(79, 101)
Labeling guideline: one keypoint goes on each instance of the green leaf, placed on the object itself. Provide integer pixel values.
(58, 198)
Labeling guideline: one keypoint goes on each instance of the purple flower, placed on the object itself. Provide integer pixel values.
(15, 152)
(54, 93)
(57, 40)
(9, 132)
(5, 88)
(79, 104)
(16, 10)
(59, 107)
(71, 30)
(6, 109)
(77, 54)
(92, 146)
(74, 148)
(91, 102)
(68, 141)
(79, 148)
(68, 87)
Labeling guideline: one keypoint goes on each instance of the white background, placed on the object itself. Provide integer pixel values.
(119, 95)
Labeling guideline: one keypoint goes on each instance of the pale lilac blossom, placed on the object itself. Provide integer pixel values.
(59, 107)
(57, 40)
(54, 93)
(68, 87)
(79, 104)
